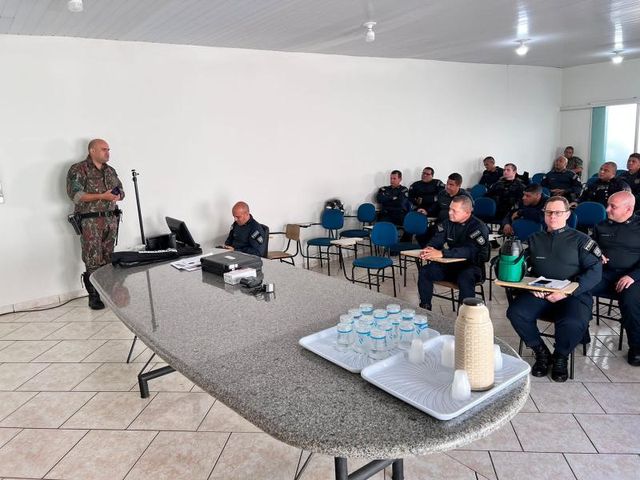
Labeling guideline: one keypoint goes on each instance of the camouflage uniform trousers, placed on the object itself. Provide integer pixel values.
(97, 241)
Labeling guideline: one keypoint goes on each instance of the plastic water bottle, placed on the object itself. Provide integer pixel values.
(346, 318)
(408, 314)
(355, 313)
(344, 336)
(361, 342)
(379, 315)
(406, 334)
(378, 347)
(421, 324)
(387, 327)
(366, 309)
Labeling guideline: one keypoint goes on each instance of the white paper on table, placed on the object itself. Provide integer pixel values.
(550, 283)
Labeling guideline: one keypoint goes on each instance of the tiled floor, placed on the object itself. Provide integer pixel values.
(69, 409)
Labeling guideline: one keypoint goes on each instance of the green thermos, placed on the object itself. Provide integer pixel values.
(511, 264)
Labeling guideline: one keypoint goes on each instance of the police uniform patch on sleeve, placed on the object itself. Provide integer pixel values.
(592, 246)
(440, 228)
(477, 236)
(257, 237)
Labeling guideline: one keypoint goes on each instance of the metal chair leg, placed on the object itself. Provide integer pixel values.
(393, 278)
(133, 344)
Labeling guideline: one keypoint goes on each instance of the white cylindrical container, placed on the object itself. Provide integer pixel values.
(474, 344)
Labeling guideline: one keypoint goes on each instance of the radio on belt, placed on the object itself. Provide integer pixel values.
(234, 276)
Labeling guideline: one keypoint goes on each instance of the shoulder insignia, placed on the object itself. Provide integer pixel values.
(257, 236)
(440, 228)
(480, 240)
(592, 246)
(475, 234)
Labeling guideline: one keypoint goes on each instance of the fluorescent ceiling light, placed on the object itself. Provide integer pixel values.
(370, 36)
(522, 49)
(75, 6)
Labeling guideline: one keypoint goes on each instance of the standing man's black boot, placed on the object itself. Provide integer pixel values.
(94, 298)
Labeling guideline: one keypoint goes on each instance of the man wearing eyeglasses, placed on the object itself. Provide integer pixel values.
(560, 253)
(424, 192)
(619, 238)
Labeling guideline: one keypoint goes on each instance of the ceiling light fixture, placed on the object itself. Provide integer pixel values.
(523, 48)
(75, 6)
(370, 36)
(617, 57)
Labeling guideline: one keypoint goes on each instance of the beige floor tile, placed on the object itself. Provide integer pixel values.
(617, 369)
(529, 406)
(611, 342)
(33, 331)
(10, 317)
(322, 467)
(612, 433)
(503, 439)
(111, 377)
(11, 401)
(546, 432)
(114, 331)
(81, 314)
(12, 375)
(109, 411)
(570, 397)
(78, 331)
(616, 397)
(222, 419)
(32, 453)
(531, 466)
(102, 455)
(479, 462)
(435, 467)
(7, 434)
(70, 351)
(5, 343)
(597, 467)
(25, 350)
(586, 370)
(179, 455)
(197, 389)
(47, 410)
(174, 411)
(116, 351)
(45, 315)
(59, 377)
(79, 302)
(172, 382)
(256, 456)
(109, 316)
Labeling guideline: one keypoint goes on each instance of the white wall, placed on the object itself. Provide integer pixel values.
(597, 84)
(205, 127)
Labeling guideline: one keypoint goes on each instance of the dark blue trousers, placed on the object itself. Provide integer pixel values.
(464, 274)
(629, 300)
(571, 318)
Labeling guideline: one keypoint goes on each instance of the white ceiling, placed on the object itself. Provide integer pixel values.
(563, 33)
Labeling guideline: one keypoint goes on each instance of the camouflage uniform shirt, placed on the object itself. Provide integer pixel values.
(84, 177)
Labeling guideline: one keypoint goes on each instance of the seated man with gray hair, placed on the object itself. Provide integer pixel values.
(464, 236)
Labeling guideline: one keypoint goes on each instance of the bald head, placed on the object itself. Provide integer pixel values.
(98, 151)
(560, 163)
(240, 212)
(620, 206)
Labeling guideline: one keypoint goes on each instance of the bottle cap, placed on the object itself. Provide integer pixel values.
(393, 308)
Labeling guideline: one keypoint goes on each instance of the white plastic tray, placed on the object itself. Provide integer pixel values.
(427, 385)
(323, 343)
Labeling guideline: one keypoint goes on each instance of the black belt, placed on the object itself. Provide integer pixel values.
(109, 213)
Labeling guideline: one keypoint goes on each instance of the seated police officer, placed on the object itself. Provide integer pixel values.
(491, 173)
(632, 176)
(530, 207)
(606, 185)
(558, 253)
(619, 239)
(507, 191)
(246, 234)
(424, 192)
(562, 181)
(464, 236)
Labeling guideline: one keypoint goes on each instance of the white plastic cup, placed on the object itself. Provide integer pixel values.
(460, 387)
(416, 352)
(497, 358)
(448, 353)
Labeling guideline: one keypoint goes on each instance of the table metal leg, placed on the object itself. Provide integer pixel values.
(368, 470)
(144, 377)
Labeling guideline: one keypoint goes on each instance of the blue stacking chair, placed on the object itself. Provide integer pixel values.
(589, 214)
(331, 220)
(537, 178)
(485, 209)
(523, 228)
(366, 216)
(572, 222)
(478, 191)
(592, 179)
(620, 171)
(383, 234)
(546, 191)
(415, 224)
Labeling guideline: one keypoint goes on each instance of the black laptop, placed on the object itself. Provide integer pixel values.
(221, 263)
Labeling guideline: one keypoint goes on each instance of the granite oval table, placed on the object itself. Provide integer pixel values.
(244, 351)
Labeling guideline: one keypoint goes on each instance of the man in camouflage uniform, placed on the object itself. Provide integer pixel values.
(94, 188)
